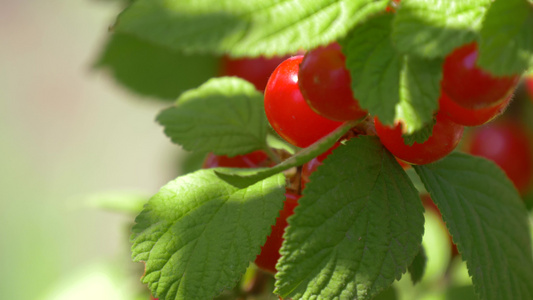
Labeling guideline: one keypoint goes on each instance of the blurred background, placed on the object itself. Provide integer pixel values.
(69, 136)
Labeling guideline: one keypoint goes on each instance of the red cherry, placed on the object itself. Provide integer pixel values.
(468, 85)
(325, 84)
(392, 7)
(255, 159)
(470, 117)
(445, 137)
(269, 255)
(255, 70)
(287, 111)
(507, 144)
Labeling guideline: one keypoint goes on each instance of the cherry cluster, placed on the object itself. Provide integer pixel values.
(309, 96)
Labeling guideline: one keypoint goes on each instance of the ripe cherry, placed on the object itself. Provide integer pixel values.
(269, 255)
(325, 84)
(393, 6)
(255, 159)
(255, 70)
(507, 144)
(287, 111)
(445, 137)
(470, 86)
(470, 117)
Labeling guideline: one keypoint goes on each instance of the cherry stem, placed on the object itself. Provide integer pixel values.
(272, 155)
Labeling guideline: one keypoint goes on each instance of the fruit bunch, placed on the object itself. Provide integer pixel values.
(309, 96)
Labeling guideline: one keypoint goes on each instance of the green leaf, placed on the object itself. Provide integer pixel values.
(357, 228)
(244, 178)
(506, 45)
(225, 116)
(433, 28)
(418, 266)
(152, 70)
(421, 135)
(245, 27)
(488, 222)
(198, 234)
(392, 86)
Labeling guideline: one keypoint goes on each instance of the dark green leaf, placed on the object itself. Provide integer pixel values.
(357, 228)
(391, 86)
(245, 27)
(488, 222)
(506, 46)
(418, 266)
(153, 70)
(420, 136)
(198, 234)
(433, 28)
(225, 116)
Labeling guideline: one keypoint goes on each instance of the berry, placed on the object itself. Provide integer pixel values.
(269, 255)
(470, 117)
(255, 159)
(255, 70)
(287, 111)
(468, 85)
(325, 84)
(445, 137)
(506, 144)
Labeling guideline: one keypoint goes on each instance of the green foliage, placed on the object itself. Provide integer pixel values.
(152, 70)
(198, 234)
(224, 116)
(420, 136)
(357, 228)
(245, 27)
(488, 222)
(506, 46)
(433, 28)
(418, 266)
(390, 85)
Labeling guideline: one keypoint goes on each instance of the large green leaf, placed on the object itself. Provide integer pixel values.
(357, 228)
(390, 85)
(488, 222)
(198, 234)
(225, 116)
(433, 28)
(507, 37)
(153, 70)
(245, 27)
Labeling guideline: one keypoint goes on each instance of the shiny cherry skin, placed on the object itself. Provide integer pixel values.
(269, 256)
(470, 86)
(255, 159)
(445, 137)
(508, 145)
(255, 70)
(287, 111)
(470, 117)
(325, 84)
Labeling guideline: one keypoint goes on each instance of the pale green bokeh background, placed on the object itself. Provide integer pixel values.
(66, 132)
